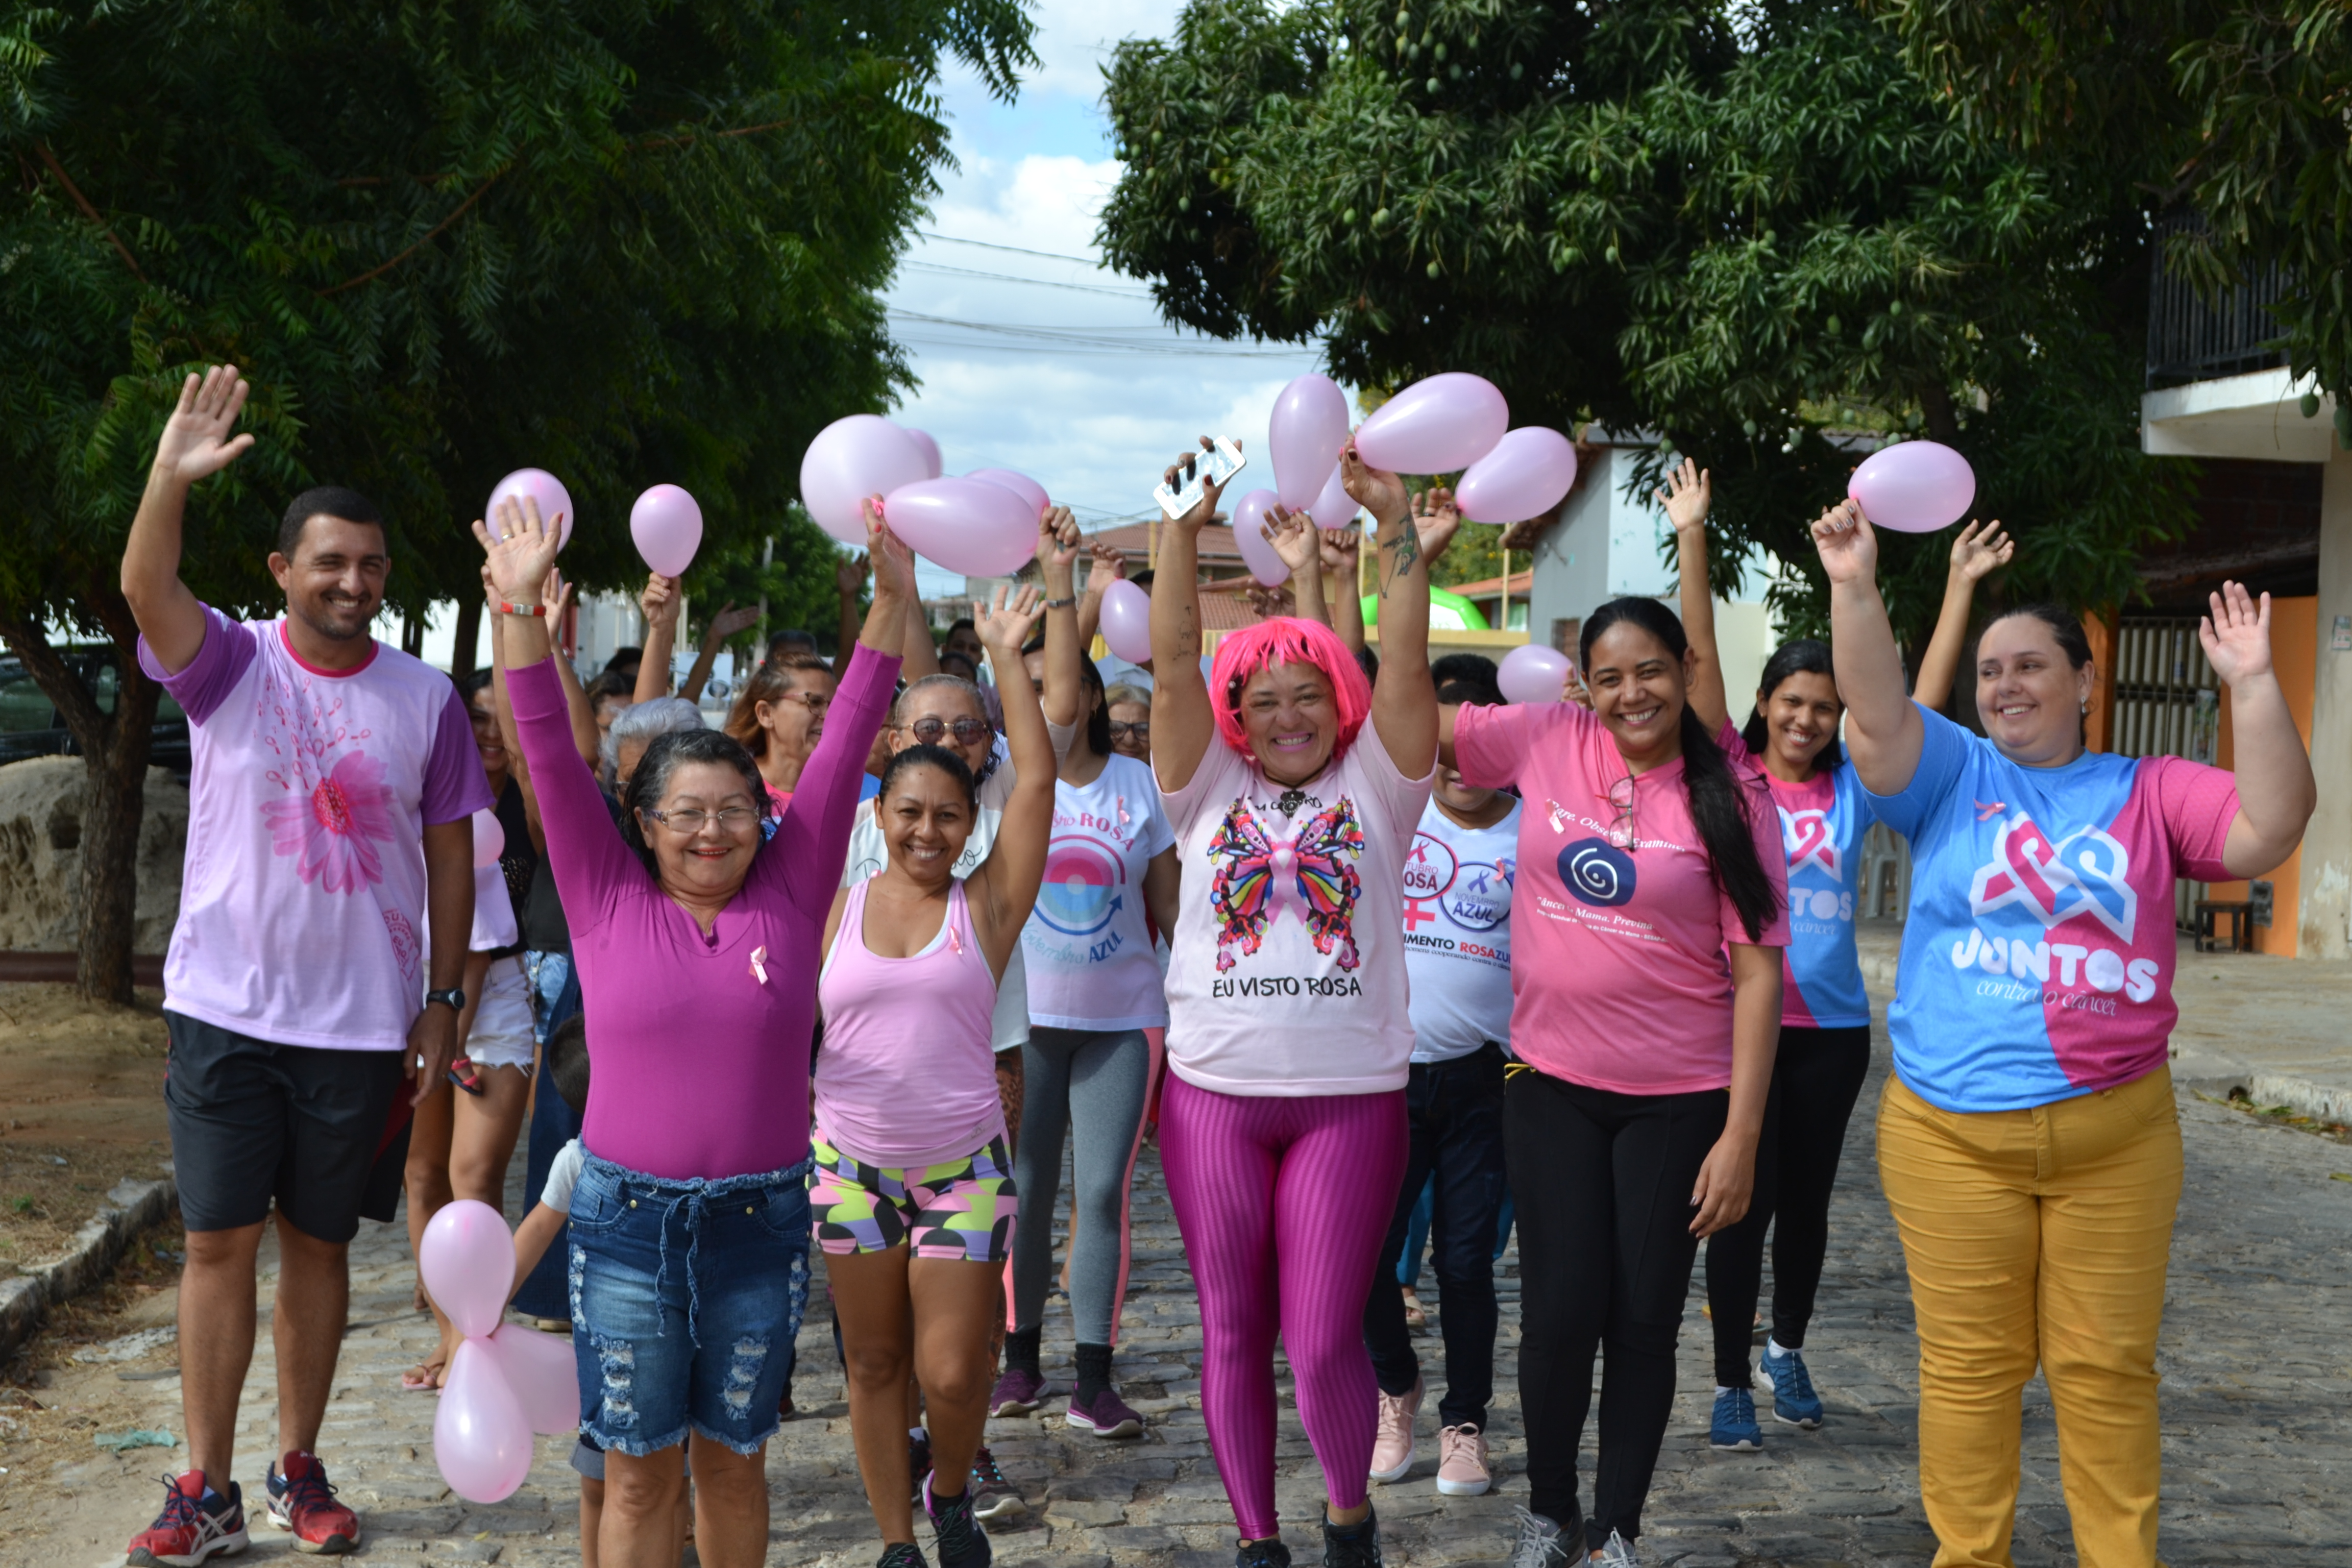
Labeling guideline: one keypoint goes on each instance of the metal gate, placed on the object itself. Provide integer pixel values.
(2167, 703)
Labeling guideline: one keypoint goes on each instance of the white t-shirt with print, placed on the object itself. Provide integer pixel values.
(1087, 946)
(1457, 933)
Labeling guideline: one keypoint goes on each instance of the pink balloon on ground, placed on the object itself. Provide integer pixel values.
(928, 447)
(1914, 487)
(467, 1261)
(541, 1372)
(1127, 621)
(852, 458)
(489, 839)
(555, 500)
(1257, 551)
(966, 525)
(1525, 476)
(1437, 426)
(1020, 484)
(482, 1436)
(1334, 508)
(666, 524)
(1533, 673)
(1308, 427)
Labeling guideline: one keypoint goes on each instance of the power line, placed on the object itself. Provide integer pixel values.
(1137, 294)
(1084, 340)
(1015, 249)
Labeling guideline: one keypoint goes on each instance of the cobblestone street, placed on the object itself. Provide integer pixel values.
(2257, 1358)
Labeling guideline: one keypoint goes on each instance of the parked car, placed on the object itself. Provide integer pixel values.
(31, 726)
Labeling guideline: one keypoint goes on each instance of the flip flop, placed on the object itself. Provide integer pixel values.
(429, 1383)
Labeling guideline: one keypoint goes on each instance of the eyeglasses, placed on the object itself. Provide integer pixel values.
(1141, 729)
(809, 700)
(733, 819)
(1620, 802)
(930, 731)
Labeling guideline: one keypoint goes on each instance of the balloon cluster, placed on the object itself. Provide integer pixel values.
(505, 1382)
(666, 522)
(983, 524)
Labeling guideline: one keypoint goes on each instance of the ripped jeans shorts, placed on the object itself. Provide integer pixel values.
(686, 1297)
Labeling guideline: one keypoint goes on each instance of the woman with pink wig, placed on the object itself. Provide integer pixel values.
(1283, 1125)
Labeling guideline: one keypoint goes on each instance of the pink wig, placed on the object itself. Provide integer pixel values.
(1286, 639)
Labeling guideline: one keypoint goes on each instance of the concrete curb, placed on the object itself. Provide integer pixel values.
(130, 1207)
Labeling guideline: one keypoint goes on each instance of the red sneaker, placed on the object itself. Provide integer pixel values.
(300, 1500)
(190, 1529)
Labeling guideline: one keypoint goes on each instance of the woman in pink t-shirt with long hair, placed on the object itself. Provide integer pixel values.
(1283, 1126)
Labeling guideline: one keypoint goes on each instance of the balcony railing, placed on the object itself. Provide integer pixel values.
(2193, 336)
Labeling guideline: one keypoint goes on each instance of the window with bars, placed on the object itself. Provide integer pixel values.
(2167, 703)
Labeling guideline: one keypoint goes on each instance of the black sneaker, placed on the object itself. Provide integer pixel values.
(993, 1496)
(1268, 1553)
(918, 1465)
(1356, 1545)
(905, 1554)
(955, 1531)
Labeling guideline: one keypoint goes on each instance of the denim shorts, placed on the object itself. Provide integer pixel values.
(686, 1297)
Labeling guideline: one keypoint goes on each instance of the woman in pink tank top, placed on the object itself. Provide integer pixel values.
(912, 1190)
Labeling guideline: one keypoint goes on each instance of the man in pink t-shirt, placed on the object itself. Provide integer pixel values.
(330, 852)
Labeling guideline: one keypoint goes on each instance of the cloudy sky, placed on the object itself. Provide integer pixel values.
(1059, 368)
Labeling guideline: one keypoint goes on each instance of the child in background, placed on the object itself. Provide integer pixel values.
(567, 1071)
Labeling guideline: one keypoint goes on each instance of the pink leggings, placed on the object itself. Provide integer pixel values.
(1284, 1204)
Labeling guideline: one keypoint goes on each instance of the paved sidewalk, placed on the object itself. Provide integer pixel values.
(2258, 1364)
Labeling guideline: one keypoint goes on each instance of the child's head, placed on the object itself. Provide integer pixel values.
(567, 1063)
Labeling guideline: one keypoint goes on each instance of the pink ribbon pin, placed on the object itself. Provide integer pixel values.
(759, 963)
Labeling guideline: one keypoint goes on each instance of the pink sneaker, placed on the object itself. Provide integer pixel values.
(1392, 1447)
(1461, 1461)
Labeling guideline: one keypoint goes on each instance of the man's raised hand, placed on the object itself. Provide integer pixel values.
(197, 443)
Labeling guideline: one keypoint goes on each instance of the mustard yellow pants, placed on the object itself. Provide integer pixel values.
(2037, 1238)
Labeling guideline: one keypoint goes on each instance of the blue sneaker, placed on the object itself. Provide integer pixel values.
(1734, 1427)
(1794, 1399)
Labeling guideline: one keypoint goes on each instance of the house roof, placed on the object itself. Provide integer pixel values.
(1219, 554)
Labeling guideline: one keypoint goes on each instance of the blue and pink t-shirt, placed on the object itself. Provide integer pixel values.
(1821, 823)
(2037, 961)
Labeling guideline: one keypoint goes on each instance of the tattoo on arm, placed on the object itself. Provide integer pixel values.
(1402, 555)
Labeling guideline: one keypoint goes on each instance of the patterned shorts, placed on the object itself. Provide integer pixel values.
(963, 1210)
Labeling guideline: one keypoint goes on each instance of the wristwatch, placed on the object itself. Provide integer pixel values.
(453, 996)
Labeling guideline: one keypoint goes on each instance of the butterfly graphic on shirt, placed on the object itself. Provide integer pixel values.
(1310, 868)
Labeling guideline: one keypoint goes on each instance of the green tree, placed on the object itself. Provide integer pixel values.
(2239, 110)
(625, 242)
(1750, 227)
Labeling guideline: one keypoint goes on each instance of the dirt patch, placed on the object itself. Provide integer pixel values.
(82, 1084)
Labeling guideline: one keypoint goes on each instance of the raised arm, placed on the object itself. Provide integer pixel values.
(1182, 724)
(1882, 729)
(195, 444)
(1059, 545)
(916, 648)
(1981, 547)
(1404, 703)
(1687, 495)
(2276, 793)
(1108, 567)
(1341, 548)
(1007, 881)
(660, 603)
(848, 580)
(726, 624)
(1296, 540)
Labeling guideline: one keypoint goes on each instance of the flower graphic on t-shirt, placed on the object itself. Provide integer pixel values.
(333, 831)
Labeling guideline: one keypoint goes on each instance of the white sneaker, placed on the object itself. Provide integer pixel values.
(1392, 1447)
(1462, 1462)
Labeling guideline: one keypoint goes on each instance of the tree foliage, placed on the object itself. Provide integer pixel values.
(1750, 228)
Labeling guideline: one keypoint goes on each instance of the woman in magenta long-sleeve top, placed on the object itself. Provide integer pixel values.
(696, 926)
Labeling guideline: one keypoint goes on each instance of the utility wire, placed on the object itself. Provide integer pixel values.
(1015, 249)
(1137, 294)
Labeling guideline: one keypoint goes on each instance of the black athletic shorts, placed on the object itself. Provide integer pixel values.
(253, 1122)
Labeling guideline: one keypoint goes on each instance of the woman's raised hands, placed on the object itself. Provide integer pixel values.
(1005, 622)
(1849, 549)
(2237, 634)
(522, 551)
(1981, 548)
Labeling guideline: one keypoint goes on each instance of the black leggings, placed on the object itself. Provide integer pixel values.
(1603, 1184)
(1816, 1077)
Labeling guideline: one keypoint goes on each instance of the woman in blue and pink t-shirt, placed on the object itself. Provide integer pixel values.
(2028, 1141)
(1790, 744)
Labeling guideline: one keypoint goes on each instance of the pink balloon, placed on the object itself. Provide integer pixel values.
(467, 1259)
(852, 458)
(667, 526)
(1308, 427)
(555, 500)
(1257, 551)
(1914, 487)
(1533, 673)
(1127, 621)
(1525, 476)
(966, 525)
(481, 1437)
(1334, 508)
(1437, 426)
(930, 449)
(489, 839)
(1020, 484)
(541, 1372)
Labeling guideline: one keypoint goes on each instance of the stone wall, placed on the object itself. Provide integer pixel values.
(40, 855)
